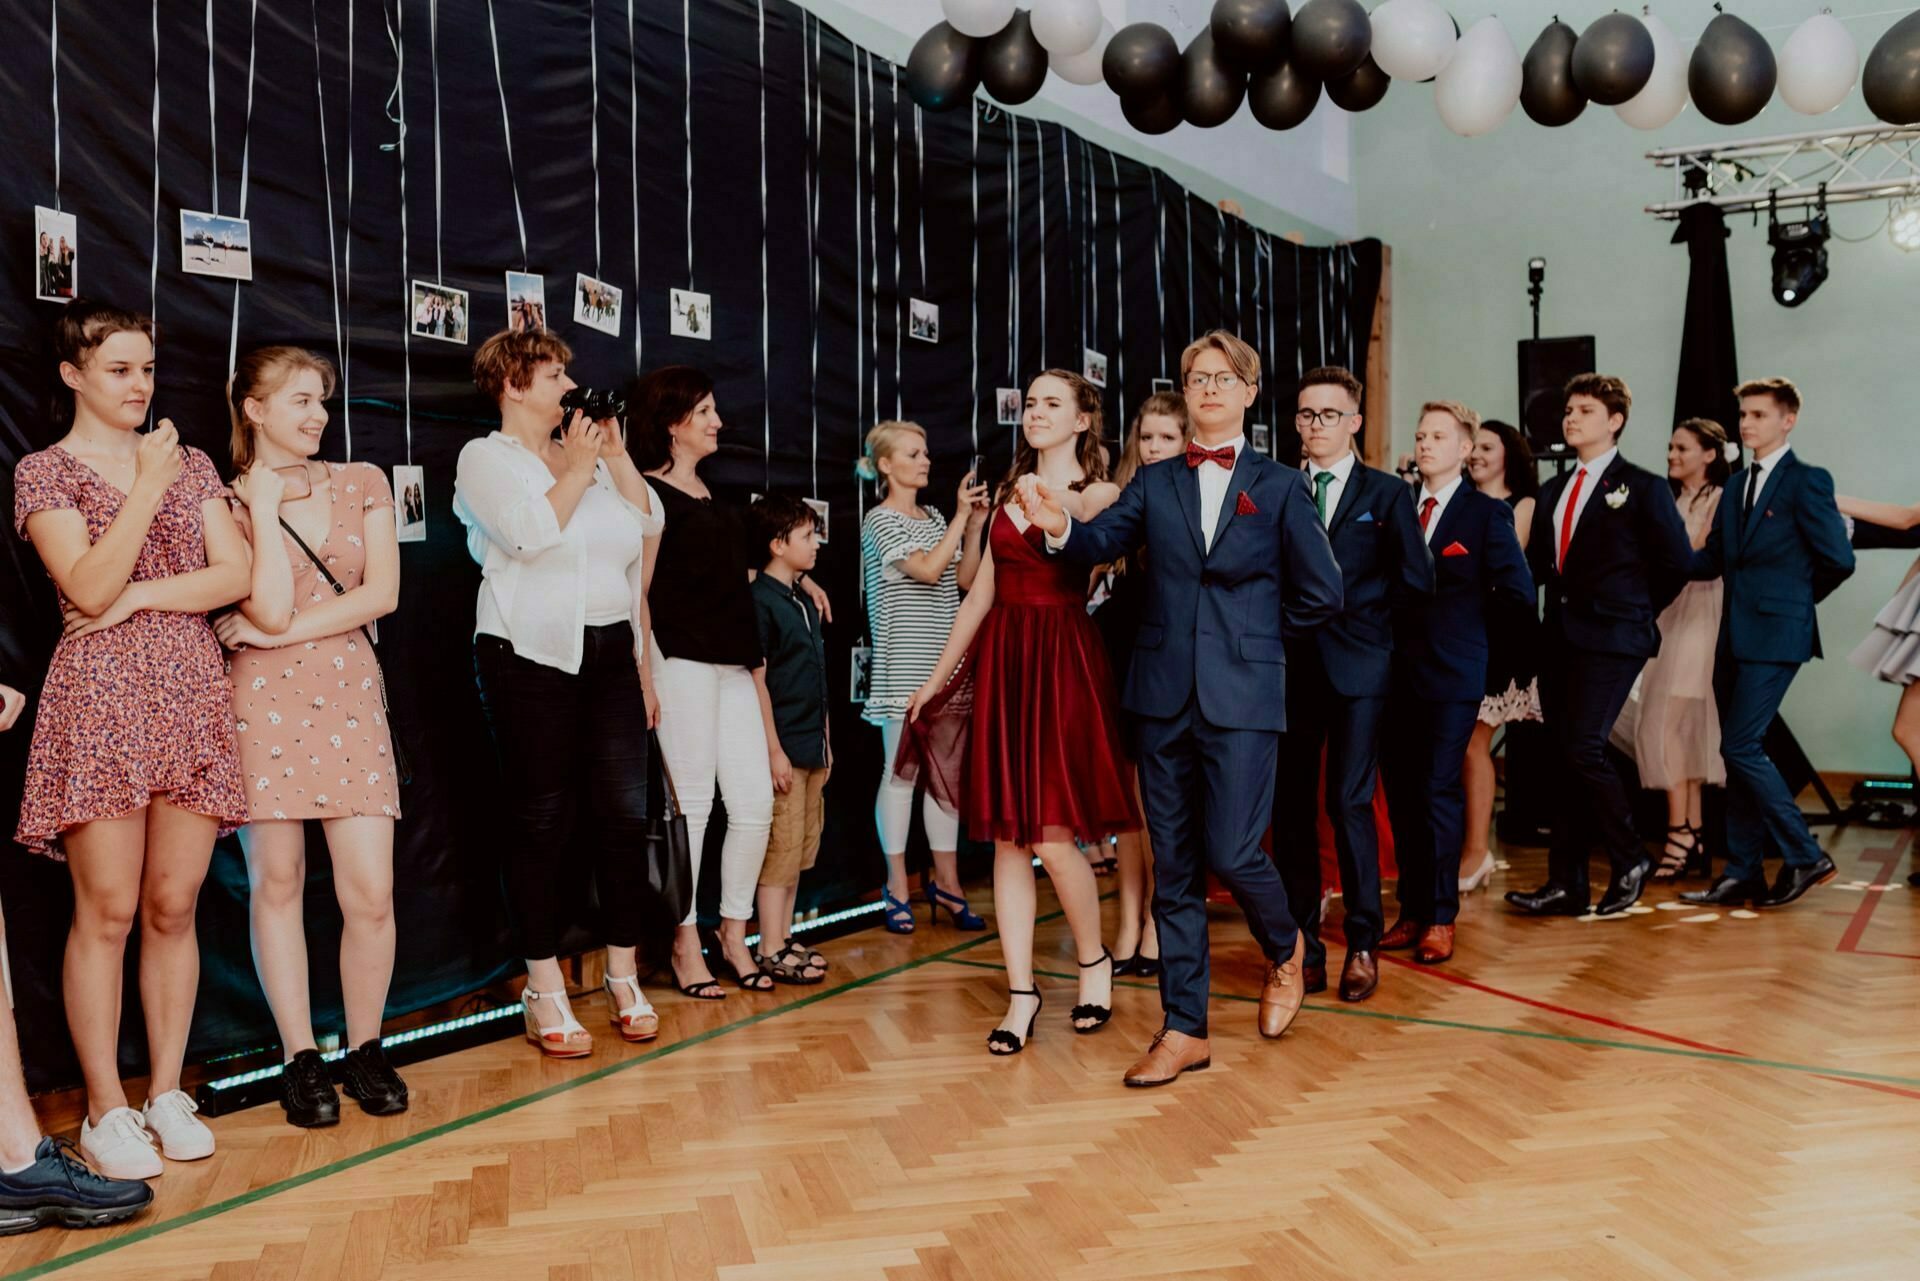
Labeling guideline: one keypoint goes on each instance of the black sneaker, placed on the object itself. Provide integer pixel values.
(307, 1094)
(60, 1188)
(370, 1079)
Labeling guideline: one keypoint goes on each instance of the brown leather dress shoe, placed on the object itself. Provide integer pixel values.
(1315, 978)
(1404, 934)
(1360, 975)
(1170, 1054)
(1282, 993)
(1436, 945)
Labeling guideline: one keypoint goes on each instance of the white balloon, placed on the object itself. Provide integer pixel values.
(1480, 85)
(1818, 65)
(1664, 96)
(1083, 68)
(1066, 27)
(1412, 39)
(978, 18)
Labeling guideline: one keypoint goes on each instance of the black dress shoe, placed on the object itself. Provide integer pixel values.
(1549, 900)
(307, 1093)
(1728, 891)
(1795, 881)
(60, 1188)
(1625, 890)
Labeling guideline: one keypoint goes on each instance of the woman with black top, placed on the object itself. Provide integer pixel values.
(706, 649)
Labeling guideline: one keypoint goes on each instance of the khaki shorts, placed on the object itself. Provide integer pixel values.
(793, 843)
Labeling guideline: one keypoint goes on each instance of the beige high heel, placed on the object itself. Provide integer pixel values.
(637, 1021)
(1469, 882)
(568, 1041)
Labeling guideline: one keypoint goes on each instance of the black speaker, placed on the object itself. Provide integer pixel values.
(1545, 366)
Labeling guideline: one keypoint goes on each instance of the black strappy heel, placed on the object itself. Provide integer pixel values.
(1002, 1042)
(1675, 857)
(1098, 1013)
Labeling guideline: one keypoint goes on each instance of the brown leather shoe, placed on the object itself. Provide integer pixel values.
(1170, 1054)
(1436, 945)
(1404, 934)
(1282, 993)
(1315, 978)
(1360, 975)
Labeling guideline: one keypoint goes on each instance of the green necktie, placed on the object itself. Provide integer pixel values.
(1322, 481)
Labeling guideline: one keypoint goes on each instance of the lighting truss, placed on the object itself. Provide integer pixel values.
(1844, 166)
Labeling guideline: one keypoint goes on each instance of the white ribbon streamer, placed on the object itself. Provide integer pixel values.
(973, 424)
(213, 123)
(433, 62)
(815, 129)
(686, 57)
(246, 168)
(766, 297)
(859, 259)
(873, 240)
(153, 261)
(893, 103)
(1040, 170)
(593, 133)
(396, 36)
(326, 173)
(506, 130)
(633, 171)
(1119, 297)
(53, 41)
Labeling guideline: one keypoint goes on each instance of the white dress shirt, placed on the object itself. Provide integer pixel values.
(1214, 479)
(1594, 470)
(535, 577)
(1440, 501)
(1765, 467)
(1340, 472)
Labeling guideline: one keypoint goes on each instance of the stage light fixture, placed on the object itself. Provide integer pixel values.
(1903, 225)
(1799, 255)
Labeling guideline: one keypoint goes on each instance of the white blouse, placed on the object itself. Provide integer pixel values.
(535, 577)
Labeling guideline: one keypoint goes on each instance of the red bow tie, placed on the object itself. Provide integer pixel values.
(1197, 454)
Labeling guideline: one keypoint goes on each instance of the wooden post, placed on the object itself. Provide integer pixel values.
(1378, 430)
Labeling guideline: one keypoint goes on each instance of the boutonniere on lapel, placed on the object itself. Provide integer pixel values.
(1244, 506)
(1617, 498)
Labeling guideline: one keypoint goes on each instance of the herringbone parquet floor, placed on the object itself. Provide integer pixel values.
(1649, 1097)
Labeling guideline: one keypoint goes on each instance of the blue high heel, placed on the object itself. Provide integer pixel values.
(964, 917)
(899, 915)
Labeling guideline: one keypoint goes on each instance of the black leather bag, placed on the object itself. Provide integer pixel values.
(669, 852)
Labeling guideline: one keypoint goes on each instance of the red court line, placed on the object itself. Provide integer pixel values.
(1888, 857)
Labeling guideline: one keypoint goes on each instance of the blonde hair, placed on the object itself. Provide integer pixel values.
(258, 375)
(1244, 359)
(882, 441)
(1469, 420)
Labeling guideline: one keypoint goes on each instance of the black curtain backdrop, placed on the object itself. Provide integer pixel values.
(758, 157)
(1707, 366)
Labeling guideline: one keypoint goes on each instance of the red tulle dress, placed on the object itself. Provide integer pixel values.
(1026, 735)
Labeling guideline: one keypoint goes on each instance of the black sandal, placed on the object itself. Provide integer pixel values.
(753, 980)
(1002, 1042)
(1674, 858)
(1098, 1013)
(705, 990)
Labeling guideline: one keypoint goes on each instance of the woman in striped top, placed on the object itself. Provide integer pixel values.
(915, 566)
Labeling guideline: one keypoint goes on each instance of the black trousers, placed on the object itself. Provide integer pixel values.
(567, 744)
(1581, 694)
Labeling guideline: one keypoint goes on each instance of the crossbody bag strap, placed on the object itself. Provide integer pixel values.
(338, 588)
(673, 809)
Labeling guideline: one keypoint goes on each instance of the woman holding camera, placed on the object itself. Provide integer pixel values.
(558, 517)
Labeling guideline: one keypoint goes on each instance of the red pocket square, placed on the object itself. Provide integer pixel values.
(1245, 507)
(1454, 549)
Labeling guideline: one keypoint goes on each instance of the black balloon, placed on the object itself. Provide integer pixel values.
(1360, 88)
(1891, 81)
(1613, 59)
(1547, 90)
(1331, 37)
(1283, 97)
(942, 70)
(1154, 112)
(1732, 72)
(1213, 90)
(1013, 65)
(1141, 61)
(1251, 34)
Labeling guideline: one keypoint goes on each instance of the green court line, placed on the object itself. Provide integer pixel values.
(1530, 1034)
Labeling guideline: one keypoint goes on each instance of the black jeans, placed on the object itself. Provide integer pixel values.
(568, 742)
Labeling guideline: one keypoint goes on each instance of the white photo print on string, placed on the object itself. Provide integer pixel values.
(211, 245)
(1009, 404)
(596, 304)
(410, 503)
(1261, 437)
(691, 314)
(56, 244)
(440, 312)
(526, 301)
(820, 515)
(1162, 384)
(859, 674)
(923, 320)
(1095, 368)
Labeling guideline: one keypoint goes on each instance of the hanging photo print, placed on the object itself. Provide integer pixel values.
(1009, 402)
(1162, 384)
(214, 246)
(1262, 438)
(860, 674)
(923, 320)
(526, 301)
(439, 312)
(56, 239)
(410, 503)
(596, 304)
(1095, 370)
(820, 513)
(691, 314)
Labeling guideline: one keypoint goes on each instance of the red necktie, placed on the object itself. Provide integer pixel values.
(1566, 521)
(1426, 511)
(1197, 454)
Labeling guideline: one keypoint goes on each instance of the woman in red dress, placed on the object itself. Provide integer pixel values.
(1030, 726)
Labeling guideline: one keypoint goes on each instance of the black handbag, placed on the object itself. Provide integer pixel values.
(669, 852)
(402, 768)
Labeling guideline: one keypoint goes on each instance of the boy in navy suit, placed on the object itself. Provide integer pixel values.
(1439, 675)
(1236, 560)
(1337, 676)
(1780, 547)
(1611, 550)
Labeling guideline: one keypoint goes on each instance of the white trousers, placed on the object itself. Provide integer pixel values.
(711, 733)
(893, 810)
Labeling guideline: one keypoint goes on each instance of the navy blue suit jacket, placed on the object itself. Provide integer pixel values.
(1629, 558)
(1384, 567)
(1479, 570)
(1777, 563)
(1214, 620)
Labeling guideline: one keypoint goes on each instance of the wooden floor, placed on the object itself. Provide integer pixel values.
(1672, 1094)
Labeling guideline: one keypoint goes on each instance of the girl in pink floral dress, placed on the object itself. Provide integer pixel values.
(134, 768)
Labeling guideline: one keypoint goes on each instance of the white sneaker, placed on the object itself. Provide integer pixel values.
(182, 1135)
(120, 1146)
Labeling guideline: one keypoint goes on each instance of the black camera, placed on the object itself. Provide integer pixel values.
(597, 405)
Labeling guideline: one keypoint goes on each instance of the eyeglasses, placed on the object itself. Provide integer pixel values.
(1200, 382)
(1327, 418)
